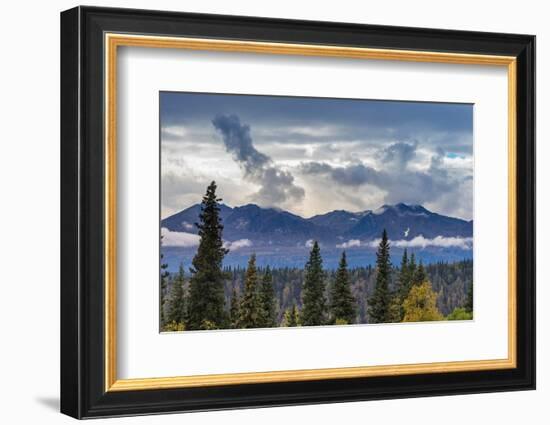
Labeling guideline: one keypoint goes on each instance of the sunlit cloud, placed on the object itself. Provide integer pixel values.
(181, 239)
(352, 243)
(238, 244)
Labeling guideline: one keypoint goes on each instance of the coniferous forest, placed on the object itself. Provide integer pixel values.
(206, 295)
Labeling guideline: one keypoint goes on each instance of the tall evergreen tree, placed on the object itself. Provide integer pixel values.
(342, 305)
(380, 310)
(267, 316)
(412, 266)
(234, 308)
(404, 278)
(163, 288)
(206, 290)
(291, 317)
(419, 276)
(469, 305)
(313, 292)
(404, 281)
(176, 302)
(250, 303)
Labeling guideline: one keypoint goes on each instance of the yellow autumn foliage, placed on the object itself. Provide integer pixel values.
(208, 325)
(174, 327)
(420, 305)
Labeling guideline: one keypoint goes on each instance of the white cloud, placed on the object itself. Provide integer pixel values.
(352, 243)
(179, 238)
(439, 241)
(309, 243)
(187, 240)
(238, 244)
(175, 131)
(296, 133)
(416, 242)
(320, 131)
(460, 162)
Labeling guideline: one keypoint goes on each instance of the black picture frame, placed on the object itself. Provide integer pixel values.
(83, 392)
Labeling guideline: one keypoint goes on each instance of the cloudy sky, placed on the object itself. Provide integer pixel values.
(314, 155)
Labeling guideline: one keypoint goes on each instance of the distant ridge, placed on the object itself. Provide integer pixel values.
(279, 227)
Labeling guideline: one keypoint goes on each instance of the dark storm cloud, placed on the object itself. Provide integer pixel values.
(400, 153)
(394, 158)
(277, 185)
(237, 140)
(350, 175)
(394, 177)
(279, 118)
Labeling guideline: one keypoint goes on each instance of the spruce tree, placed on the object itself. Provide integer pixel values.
(404, 282)
(313, 292)
(469, 305)
(342, 306)
(267, 316)
(380, 310)
(419, 276)
(250, 304)
(291, 317)
(176, 303)
(163, 288)
(206, 286)
(234, 308)
(404, 278)
(412, 266)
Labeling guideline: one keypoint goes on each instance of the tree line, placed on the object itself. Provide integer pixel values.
(214, 297)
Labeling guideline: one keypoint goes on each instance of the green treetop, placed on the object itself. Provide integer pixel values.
(176, 302)
(291, 317)
(342, 306)
(234, 308)
(404, 282)
(267, 301)
(380, 310)
(206, 291)
(250, 303)
(405, 276)
(459, 313)
(163, 288)
(419, 276)
(412, 266)
(313, 292)
(469, 305)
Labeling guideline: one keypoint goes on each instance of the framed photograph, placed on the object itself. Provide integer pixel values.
(261, 212)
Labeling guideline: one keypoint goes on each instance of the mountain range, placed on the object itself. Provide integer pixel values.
(250, 221)
(278, 236)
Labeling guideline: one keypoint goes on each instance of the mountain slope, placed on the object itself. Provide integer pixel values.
(184, 221)
(282, 239)
(270, 225)
(339, 221)
(406, 222)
